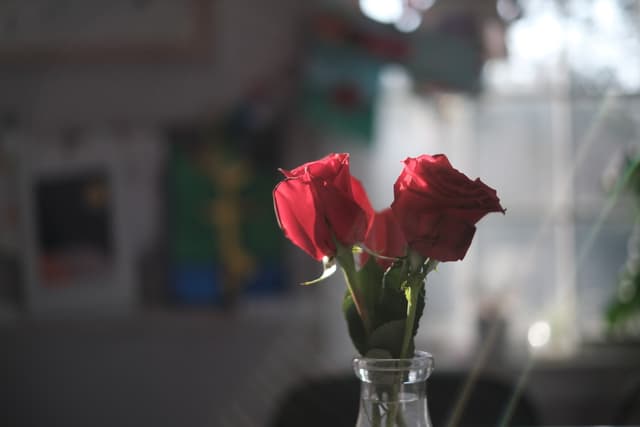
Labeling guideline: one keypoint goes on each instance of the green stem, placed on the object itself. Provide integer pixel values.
(345, 258)
(415, 283)
(401, 422)
(394, 415)
(391, 415)
(412, 291)
(375, 422)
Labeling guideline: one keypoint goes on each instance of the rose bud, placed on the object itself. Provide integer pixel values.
(320, 201)
(437, 207)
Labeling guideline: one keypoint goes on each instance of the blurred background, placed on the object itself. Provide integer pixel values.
(143, 277)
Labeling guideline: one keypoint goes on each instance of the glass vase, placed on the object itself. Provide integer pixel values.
(393, 391)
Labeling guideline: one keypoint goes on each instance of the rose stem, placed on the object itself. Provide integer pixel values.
(345, 258)
(412, 292)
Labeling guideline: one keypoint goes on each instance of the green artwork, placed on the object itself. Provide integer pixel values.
(225, 241)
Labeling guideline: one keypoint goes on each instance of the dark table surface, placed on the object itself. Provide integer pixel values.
(177, 369)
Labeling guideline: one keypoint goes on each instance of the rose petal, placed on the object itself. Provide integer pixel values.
(437, 206)
(296, 212)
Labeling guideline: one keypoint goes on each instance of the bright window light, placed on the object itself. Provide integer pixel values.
(421, 4)
(539, 334)
(384, 11)
(507, 9)
(409, 21)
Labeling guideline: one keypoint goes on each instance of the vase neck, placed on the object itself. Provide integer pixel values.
(393, 391)
(416, 369)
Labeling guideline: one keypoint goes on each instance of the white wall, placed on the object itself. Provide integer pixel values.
(251, 39)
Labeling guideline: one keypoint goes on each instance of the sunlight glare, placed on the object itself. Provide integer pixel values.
(383, 11)
(409, 21)
(507, 9)
(539, 334)
(422, 4)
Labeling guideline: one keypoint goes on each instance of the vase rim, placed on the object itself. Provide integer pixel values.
(420, 360)
(417, 355)
(418, 368)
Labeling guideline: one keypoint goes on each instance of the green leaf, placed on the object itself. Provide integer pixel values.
(329, 266)
(430, 265)
(378, 353)
(392, 307)
(356, 328)
(368, 282)
(391, 304)
(377, 318)
(388, 337)
(395, 277)
(420, 306)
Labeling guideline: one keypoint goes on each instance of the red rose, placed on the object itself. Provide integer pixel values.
(320, 200)
(385, 238)
(437, 207)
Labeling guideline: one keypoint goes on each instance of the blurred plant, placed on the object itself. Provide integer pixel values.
(623, 311)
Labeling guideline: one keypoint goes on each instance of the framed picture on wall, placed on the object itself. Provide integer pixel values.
(76, 250)
(50, 31)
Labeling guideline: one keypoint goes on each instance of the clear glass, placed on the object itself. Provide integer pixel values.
(393, 391)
